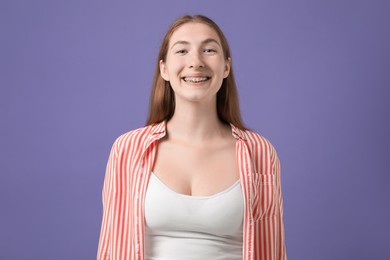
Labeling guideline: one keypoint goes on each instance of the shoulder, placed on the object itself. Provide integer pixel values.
(259, 145)
(253, 137)
(133, 140)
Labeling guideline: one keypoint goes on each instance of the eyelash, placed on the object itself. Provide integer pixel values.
(210, 50)
(205, 50)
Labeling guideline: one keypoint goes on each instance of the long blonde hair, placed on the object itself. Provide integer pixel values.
(162, 97)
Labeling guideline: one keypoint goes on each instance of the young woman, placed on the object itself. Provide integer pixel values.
(194, 183)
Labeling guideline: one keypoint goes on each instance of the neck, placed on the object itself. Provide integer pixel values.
(194, 122)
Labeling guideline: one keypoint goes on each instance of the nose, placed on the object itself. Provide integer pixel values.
(195, 60)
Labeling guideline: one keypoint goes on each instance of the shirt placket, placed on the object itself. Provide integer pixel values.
(246, 176)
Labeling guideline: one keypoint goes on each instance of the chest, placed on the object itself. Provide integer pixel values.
(196, 171)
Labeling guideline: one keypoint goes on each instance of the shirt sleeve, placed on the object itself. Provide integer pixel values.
(107, 195)
(270, 227)
(279, 225)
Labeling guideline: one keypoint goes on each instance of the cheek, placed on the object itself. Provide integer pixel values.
(219, 65)
(173, 68)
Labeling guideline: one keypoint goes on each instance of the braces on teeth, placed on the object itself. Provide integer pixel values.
(195, 79)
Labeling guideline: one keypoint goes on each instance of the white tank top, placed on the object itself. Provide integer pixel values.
(179, 226)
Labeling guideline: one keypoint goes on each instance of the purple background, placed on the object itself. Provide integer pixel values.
(313, 78)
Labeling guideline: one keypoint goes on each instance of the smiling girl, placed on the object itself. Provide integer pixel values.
(194, 183)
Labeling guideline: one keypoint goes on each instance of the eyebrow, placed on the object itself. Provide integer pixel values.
(203, 42)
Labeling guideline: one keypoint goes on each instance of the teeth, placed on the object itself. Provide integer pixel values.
(195, 79)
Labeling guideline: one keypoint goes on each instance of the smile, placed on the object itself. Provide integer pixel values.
(195, 79)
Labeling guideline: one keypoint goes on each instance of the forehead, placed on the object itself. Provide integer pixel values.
(194, 32)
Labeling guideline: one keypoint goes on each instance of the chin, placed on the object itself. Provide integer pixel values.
(194, 98)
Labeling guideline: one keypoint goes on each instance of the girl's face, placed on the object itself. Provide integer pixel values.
(195, 65)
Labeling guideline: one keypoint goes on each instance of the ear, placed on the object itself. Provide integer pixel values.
(226, 71)
(164, 71)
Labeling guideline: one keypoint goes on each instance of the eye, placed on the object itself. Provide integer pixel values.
(182, 51)
(209, 50)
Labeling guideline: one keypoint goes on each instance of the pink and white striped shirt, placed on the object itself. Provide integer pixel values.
(127, 175)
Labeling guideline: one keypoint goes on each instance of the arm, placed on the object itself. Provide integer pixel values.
(280, 246)
(270, 242)
(107, 193)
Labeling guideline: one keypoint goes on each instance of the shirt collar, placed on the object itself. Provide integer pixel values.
(158, 130)
(238, 133)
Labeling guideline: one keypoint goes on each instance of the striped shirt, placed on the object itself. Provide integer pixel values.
(128, 171)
